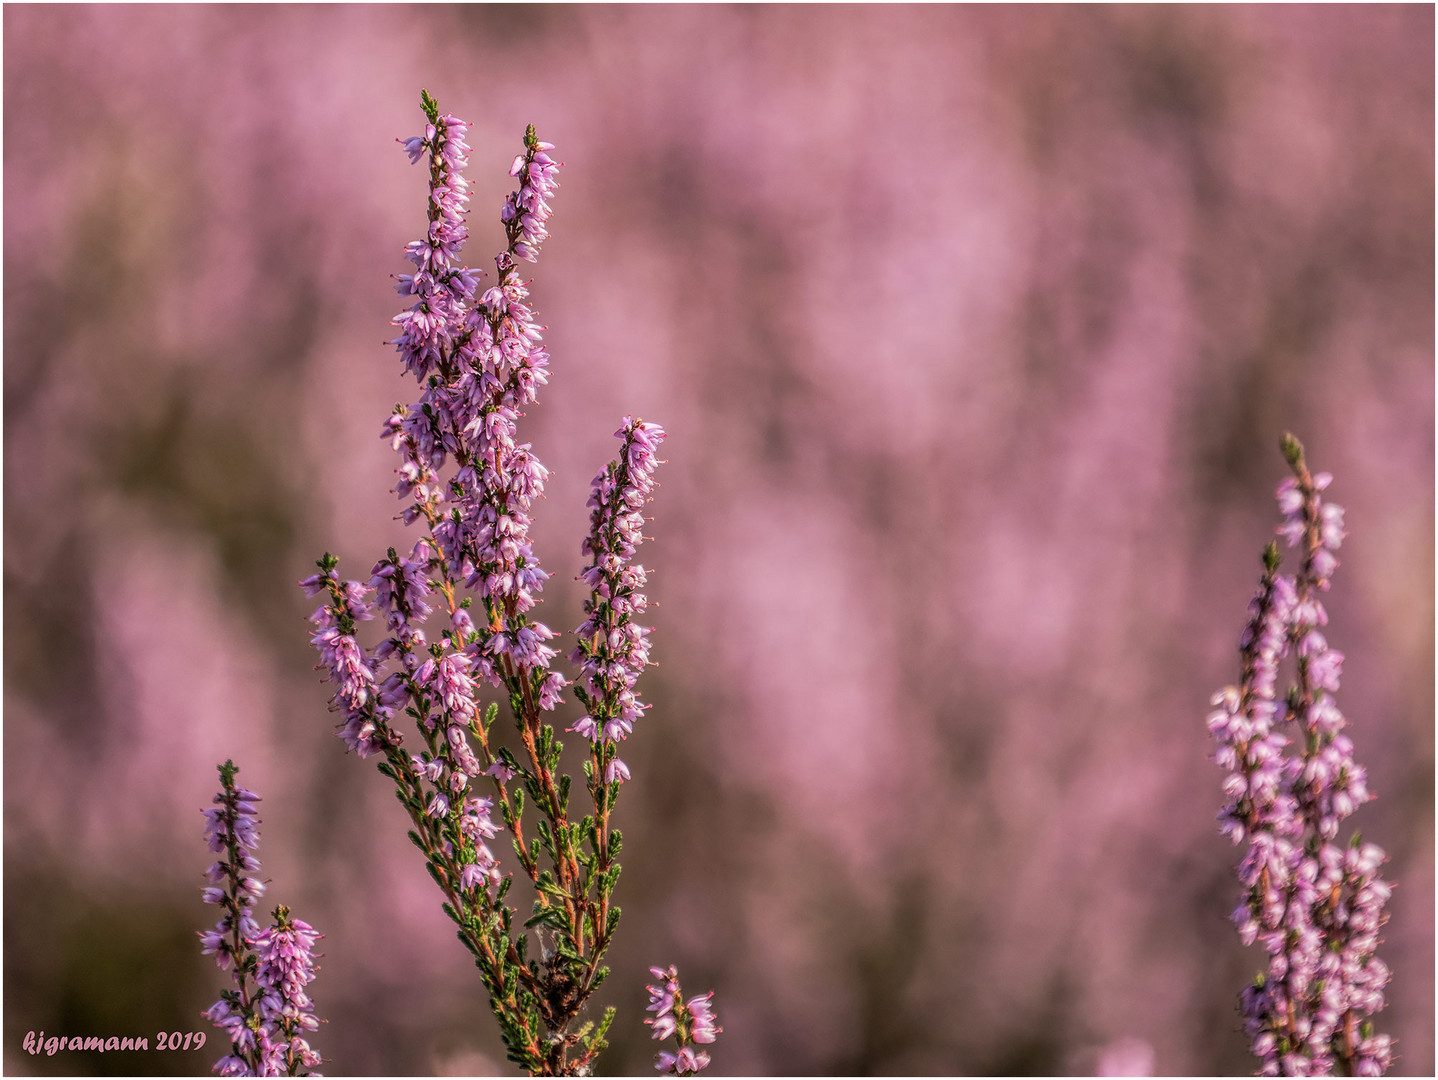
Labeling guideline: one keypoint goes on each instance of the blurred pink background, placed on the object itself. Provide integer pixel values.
(975, 331)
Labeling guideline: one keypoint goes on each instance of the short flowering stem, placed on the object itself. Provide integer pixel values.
(690, 1023)
(232, 829)
(1316, 906)
(286, 967)
(269, 1011)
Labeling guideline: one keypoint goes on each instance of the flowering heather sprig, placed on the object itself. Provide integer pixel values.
(613, 649)
(439, 284)
(268, 1007)
(341, 656)
(1317, 907)
(286, 966)
(690, 1022)
(469, 482)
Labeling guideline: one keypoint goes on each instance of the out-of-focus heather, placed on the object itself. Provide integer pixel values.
(974, 331)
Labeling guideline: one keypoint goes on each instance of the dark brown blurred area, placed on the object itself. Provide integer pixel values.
(975, 330)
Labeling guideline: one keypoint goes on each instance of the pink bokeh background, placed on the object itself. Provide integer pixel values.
(974, 329)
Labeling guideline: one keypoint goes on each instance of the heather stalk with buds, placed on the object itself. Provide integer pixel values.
(267, 1012)
(1315, 905)
(469, 484)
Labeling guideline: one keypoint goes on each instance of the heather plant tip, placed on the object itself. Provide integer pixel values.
(1292, 449)
(1316, 906)
(1271, 558)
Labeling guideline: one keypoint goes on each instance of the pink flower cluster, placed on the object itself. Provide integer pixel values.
(442, 287)
(613, 649)
(529, 206)
(481, 360)
(286, 966)
(232, 830)
(264, 1021)
(1314, 905)
(345, 662)
(690, 1022)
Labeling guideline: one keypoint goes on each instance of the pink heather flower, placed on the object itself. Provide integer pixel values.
(475, 823)
(224, 1015)
(347, 664)
(586, 727)
(484, 871)
(462, 625)
(684, 1063)
(616, 770)
(1314, 906)
(430, 768)
(551, 691)
(701, 1013)
(688, 1022)
(500, 771)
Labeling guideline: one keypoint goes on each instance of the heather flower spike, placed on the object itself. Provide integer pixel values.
(690, 1022)
(1315, 905)
(268, 1010)
(457, 615)
(286, 966)
(613, 649)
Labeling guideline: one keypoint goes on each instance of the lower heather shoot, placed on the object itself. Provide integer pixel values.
(267, 1013)
(1316, 905)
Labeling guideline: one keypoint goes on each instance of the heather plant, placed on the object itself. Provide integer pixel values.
(1316, 905)
(268, 1011)
(468, 483)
